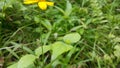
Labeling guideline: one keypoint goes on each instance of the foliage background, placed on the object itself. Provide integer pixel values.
(23, 28)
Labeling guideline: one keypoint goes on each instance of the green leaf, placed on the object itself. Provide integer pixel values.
(28, 50)
(42, 50)
(12, 52)
(76, 28)
(37, 19)
(13, 65)
(47, 24)
(60, 9)
(71, 38)
(68, 8)
(59, 48)
(26, 61)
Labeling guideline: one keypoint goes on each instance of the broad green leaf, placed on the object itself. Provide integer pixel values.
(47, 24)
(71, 38)
(13, 65)
(37, 19)
(117, 39)
(42, 50)
(26, 61)
(68, 8)
(59, 48)
(16, 64)
(117, 51)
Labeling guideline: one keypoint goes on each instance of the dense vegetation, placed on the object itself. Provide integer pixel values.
(70, 34)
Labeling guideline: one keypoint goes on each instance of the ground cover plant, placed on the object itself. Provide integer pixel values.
(59, 33)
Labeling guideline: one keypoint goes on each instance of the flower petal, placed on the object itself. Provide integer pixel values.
(30, 1)
(50, 3)
(42, 5)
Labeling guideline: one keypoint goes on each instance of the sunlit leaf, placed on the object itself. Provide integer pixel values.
(13, 66)
(72, 38)
(42, 50)
(26, 60)
(68, 8)
(59, 48)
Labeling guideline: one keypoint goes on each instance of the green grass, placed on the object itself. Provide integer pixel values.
(92, 28)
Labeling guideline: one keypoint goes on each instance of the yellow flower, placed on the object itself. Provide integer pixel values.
(41, 3)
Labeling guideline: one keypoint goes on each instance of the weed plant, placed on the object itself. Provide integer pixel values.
(70, 34)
